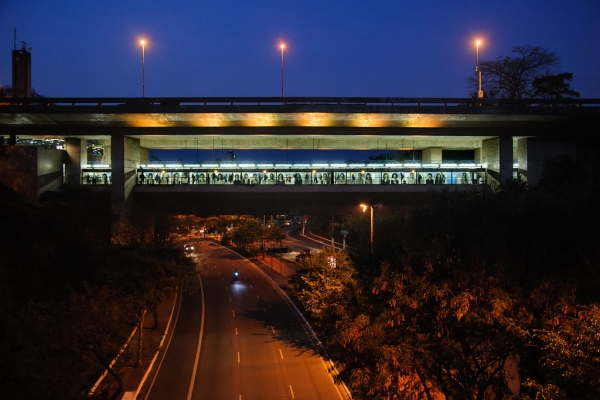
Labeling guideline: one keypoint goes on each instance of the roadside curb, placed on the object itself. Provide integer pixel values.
(131, 395)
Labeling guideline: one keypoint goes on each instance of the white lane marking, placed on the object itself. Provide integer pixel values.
(230, 298)
(238, 357)
(176, 303)
(233, 311)
(281, 354)
(226, 288)
(292, 308)
(265, 311)
(236, 332)
(195, 370)
(258, 297)
(292, 392)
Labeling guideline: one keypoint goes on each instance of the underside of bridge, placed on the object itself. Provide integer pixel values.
(292, 200)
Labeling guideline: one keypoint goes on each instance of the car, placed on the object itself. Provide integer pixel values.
(303, 255)
(188, 247)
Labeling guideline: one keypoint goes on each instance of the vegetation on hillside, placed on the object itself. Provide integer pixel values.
(70, 296)
(481, 295)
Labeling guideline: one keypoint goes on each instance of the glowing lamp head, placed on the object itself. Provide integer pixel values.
(143, 42)
(478, 42)
(364, 207)
(282, 45)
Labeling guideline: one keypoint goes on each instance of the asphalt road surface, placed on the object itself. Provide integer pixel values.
(249, 345)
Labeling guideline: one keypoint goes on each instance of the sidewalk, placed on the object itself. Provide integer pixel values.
(132, 374)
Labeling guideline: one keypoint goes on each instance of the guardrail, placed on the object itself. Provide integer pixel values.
(286, 101)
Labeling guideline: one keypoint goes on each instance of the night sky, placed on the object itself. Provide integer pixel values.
(334, 48)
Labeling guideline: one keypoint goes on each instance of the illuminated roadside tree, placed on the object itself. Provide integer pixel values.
(501, 308)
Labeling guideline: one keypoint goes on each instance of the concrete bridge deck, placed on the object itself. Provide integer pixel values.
(498, 131)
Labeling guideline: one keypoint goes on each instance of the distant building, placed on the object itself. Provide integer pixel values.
(21, 72)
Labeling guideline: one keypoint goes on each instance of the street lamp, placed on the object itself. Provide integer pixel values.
(143, 43)
(282, 46)
(364, 207)
(477, 69)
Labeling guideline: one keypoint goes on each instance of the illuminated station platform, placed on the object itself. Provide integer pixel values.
(504, 139)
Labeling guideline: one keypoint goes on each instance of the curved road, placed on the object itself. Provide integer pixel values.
(249, 345)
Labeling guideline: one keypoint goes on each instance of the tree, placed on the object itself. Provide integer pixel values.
(512, 77)
(554, 86)
(247, 233)
(571, 352)
(455, 308)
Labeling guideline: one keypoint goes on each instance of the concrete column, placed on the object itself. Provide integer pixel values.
(432, 155)
(506, 158)
(106, 157)
(76, 149)
(522, 159)
(117, 144)
(125, 159)
(144, 155)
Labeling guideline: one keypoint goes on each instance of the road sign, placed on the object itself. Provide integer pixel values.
(334, 224)
(344, 232)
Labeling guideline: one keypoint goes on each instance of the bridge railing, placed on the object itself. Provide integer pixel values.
(285, 101)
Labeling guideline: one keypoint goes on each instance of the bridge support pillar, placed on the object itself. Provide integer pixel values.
(497, 156)
(76, 157)
(125, 159)
(506, 158)
(107, 155)
(432, 155)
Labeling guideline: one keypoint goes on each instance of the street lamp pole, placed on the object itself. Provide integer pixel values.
(478, 70)
(143, 43)
(371, 207)
(364, 207)
(282, 45)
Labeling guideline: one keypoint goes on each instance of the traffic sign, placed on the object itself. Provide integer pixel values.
(344, 232)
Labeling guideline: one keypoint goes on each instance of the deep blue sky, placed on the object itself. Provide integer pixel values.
(334, 48)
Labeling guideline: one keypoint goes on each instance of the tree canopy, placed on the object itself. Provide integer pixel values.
(481, 295)
(528, 73)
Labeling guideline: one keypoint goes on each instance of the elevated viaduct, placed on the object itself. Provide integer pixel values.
(508, 138)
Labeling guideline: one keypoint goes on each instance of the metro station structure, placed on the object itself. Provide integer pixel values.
(508, 139)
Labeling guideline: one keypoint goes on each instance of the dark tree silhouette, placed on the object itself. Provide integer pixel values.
(513, 76)
(554, 86)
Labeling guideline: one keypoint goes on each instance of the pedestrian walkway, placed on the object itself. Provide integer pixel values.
(132, 374)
